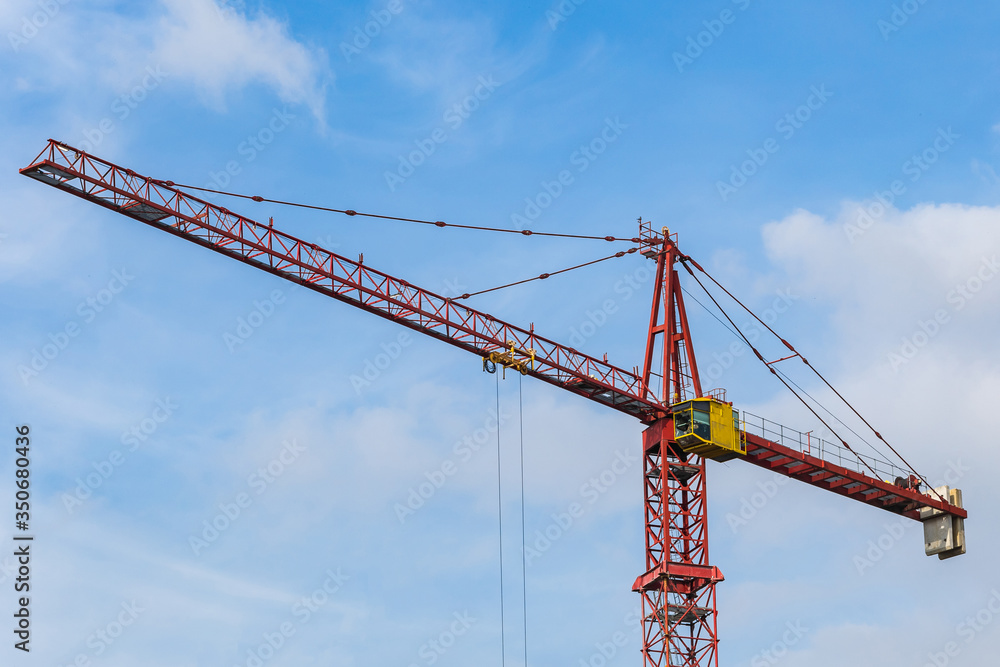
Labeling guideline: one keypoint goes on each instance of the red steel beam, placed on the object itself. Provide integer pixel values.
(159, 204)
(843, 481)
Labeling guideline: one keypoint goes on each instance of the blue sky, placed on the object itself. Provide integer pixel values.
(835, 164)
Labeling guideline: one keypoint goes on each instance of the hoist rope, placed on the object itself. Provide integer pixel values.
(544, 276)
(524, 570)
(436, 223)
(503, 640)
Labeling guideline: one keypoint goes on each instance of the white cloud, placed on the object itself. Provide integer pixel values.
(86, 48)
(219, 51)
(877, 291)
(914, 303)
(904, 266)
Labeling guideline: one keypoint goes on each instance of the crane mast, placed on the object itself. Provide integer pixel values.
(680, 627)
(679, 619)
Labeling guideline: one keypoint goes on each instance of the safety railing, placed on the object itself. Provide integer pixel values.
(821, 449)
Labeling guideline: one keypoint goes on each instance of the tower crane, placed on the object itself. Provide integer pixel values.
(685, 426)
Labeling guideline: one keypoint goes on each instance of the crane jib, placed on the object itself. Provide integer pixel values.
(263, 246)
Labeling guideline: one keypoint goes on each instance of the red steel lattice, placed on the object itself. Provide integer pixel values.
(678, 587)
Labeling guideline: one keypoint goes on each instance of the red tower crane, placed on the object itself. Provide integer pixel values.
(685, 426)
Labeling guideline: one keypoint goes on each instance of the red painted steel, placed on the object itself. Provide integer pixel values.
(849, 483)
(160, 205)
(678, 587)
